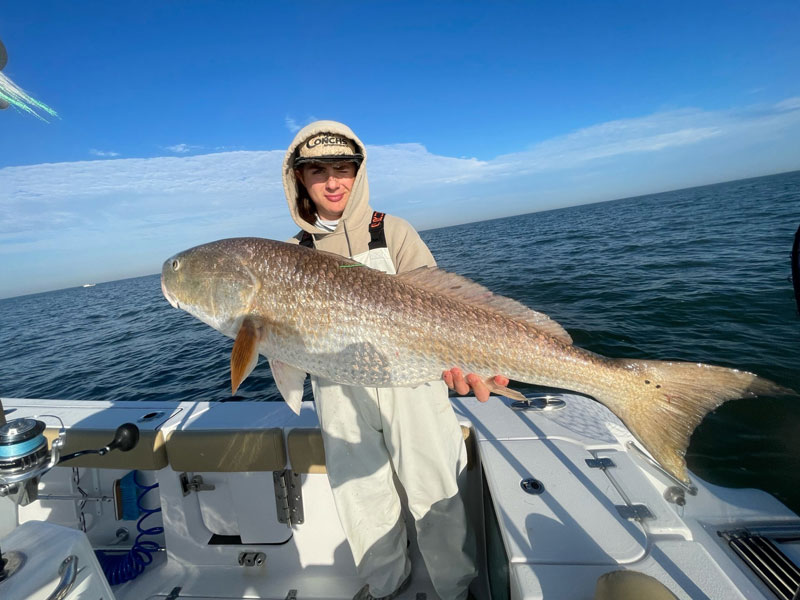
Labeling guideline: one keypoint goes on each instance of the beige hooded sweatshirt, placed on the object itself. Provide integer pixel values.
(371, 433)
(351, 237)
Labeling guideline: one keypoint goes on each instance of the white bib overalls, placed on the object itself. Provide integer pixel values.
(369, 431)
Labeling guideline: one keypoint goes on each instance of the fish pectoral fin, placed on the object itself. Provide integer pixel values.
(502, 390)
(244, 356)
(289, 380)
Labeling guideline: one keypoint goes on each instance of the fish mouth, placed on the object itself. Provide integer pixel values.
(170, 298)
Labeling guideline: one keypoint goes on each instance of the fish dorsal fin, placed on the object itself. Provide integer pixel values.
(466, 290)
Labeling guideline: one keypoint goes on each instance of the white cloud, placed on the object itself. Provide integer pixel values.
(103, 153)
(293, 126)
(224, 175)
(790, 104)
(182, 148)
(219, 173)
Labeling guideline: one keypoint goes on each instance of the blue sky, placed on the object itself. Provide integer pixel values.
(174, 116)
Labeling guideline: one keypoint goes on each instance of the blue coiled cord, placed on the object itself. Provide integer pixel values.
(120, 566)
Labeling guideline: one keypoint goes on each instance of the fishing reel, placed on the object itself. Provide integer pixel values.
(24, 456)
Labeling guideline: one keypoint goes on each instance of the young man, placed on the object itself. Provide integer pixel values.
(369, 432)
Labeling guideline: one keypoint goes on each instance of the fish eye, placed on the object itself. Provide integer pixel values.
(175, 264)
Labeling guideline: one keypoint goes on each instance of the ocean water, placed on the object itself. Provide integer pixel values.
(700, 274)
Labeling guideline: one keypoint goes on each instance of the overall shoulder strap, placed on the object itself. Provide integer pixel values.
(307, 240)
(376, 233)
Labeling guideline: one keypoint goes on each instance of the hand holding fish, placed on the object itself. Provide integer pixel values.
(455, 380)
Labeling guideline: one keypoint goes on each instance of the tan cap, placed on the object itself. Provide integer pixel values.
(327, 147)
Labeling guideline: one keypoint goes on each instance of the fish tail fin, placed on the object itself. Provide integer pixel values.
(669, 399)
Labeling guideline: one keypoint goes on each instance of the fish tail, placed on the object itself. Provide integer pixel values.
(667, 400)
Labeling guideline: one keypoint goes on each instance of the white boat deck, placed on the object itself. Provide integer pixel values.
(554, 544)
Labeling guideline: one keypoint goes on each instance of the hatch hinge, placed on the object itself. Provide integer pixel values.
(288, 497)
(634, 512)
(195, 484)
(600, 463)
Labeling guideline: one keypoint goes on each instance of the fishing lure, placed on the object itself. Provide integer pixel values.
(13, 95)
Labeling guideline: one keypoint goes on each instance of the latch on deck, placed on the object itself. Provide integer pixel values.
(195, 484)
(600, 463)
(634, 512)
(288, 497)
(252, 559)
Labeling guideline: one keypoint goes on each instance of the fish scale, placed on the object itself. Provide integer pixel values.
(318, 313)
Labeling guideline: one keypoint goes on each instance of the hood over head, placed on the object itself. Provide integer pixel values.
(327, 145)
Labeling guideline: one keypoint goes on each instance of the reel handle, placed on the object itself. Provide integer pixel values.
(125, 439)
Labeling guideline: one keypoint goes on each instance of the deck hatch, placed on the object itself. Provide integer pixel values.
(767, 561)
(576, 508)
